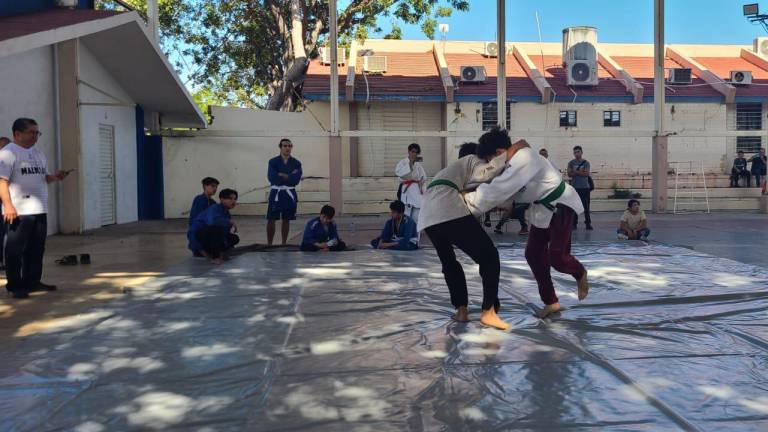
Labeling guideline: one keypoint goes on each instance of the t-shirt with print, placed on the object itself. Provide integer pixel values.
(633, 220)
(579, 182)
(25, 170)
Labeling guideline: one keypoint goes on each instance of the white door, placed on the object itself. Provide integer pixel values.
(377, 156)
(108, 211)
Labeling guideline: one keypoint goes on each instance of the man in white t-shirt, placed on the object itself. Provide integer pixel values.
(24, 182)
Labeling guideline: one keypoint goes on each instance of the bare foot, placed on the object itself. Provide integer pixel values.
(583, 286)
(461, 315)
(549, 310)
(491, 319)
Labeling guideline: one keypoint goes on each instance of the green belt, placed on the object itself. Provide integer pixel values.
(552, 196)
(443, 182)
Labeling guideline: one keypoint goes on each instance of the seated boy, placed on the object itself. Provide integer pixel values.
(399, 232)
(634, 225)
(320, 233)
(212, 231)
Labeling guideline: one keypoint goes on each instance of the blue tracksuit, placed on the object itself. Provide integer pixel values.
(215, 215)
(406, 234)
(199, 205)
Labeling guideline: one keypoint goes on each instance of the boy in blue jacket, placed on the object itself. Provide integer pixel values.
(399, 232)
(213, 231)
(320, 233)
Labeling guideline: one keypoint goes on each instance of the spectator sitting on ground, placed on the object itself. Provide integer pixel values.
(213, 231)
(320, 233)
(399, 232)
(739, 170)
(634, 224)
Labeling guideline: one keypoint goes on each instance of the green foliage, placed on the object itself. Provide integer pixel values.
(240, 50)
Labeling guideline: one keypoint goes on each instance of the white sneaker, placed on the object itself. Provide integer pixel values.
(622, 237)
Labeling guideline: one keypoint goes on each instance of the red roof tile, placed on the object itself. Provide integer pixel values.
(26, 24)
(518, 83)
(641, 68)
(722, 67)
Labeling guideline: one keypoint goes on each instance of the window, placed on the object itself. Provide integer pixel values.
(490, 115)
(567, 118)
(749, 116)
(611, 118)
(748, 144)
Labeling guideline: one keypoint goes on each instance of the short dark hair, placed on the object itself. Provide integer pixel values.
(740, 151)
(466, 149)
(328, 211)
(227, 193)
(494, 139)
(577, 148)
(632, 201)
(22, 124)
(2, 138)
(282, 140)
(414, 146)
(397, 206)
(210, 181)
(543, 150)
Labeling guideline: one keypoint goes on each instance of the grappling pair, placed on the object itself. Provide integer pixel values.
(464, 190)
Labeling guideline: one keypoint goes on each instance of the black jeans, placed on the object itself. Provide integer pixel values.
(24, 249)
(466, 234)
(216, 240)
(737, 174)
(584, 195)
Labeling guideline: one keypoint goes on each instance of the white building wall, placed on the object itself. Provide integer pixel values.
(123, 118)
(27, 89)
(241, 162)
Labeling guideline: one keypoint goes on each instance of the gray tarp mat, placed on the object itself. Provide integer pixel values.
(668, 339)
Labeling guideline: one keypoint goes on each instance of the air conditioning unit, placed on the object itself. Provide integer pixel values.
(741, 77)
(472, 74)
(760, 46)
(325, 56)
(582, 73)
(679, 76)
(375, 64)
(491, 49)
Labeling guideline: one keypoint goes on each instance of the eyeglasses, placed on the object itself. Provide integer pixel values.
(37, 134)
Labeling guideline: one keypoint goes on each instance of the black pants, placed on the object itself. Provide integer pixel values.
(584, 195)
(338, 247)
(24, 249)
(216, 240)
(757, 177)
(739, 174)
(3, 229)
(467, 234)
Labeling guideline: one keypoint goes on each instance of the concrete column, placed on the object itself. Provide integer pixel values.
(335, 185)
(354, 142)
(71, 208)
(660, 166)
(659, 151)
(501, 64)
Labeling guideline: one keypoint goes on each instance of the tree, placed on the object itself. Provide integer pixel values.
(251, 49)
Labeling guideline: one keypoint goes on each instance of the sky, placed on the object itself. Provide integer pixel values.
(617, 21)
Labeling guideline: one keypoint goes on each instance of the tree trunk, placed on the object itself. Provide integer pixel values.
(284, 94)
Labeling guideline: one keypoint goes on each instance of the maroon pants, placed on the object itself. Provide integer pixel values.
(551, 247)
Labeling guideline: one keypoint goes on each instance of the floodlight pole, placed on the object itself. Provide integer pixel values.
(334, 141)
(501, 65)
(659, 151)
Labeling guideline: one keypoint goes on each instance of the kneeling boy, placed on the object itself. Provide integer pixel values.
(320, 233)
(399, 232)
(212, 231)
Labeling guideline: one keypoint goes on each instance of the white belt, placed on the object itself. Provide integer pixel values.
(288, 189)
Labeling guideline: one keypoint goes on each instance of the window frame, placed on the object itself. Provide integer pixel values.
(608, 118)
(567, 119)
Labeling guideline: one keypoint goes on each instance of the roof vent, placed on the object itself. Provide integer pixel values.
(375, 64)
(679, 76)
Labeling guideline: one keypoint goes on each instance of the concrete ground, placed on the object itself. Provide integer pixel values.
(147, 337)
